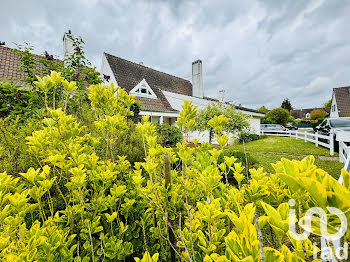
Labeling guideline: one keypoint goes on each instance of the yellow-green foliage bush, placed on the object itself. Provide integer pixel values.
(174, 204)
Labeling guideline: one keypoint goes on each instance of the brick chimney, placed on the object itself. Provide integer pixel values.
(197, 79)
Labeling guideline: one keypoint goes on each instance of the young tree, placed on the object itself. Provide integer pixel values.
(28, 62)
(276, 116)
(263, 109)
(328, 104)
(286, 104)
(76, 67)
(237, 120)
(318, 114)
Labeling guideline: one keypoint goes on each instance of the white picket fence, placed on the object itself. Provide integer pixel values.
(344, 152)
(317, 139)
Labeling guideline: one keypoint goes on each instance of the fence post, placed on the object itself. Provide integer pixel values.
(305, 136)
(331, 144)
(316, 139)
(296, 134)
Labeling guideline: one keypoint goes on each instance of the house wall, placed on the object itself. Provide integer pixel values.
(334, 109)
(155, 119)
(177, 100)
(255, 124)
(106, 69)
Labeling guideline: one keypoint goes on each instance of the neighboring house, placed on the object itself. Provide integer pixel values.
(305, 113)
(340, 102)
(10, 64)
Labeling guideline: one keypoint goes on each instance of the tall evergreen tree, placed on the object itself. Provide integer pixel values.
(286, 104)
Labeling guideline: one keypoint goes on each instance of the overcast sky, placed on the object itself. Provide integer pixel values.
(258, 51)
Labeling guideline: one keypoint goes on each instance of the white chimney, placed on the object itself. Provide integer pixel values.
(222, 96)
(197, 79)
(68, 47)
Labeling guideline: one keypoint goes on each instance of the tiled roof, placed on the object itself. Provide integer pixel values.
(10, 63)
(342, 97)
(150, 104)
(300, 113)
(129, 74)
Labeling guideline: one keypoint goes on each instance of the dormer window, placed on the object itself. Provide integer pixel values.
(143, 90)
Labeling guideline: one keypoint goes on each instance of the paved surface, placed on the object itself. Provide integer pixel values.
(329, 158)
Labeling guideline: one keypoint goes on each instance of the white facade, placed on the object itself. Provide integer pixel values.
(177, 100)
(106, 69)
(334, 109)
(143, 90)
(255, 124)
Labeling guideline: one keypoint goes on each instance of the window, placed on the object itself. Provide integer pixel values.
(337, 123)
(143, 90)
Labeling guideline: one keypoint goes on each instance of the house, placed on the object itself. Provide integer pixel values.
(305, 113)
(340, 106)
(161, 95)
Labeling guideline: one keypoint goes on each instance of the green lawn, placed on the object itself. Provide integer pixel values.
(272, 149)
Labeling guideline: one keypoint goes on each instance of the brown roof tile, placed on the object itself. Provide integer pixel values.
(300, 113)
(342, 97)
(10, 64)
(129, 74)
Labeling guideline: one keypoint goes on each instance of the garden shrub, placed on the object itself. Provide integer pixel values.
(237, 121)
(14, 156)
(317, 114)
(249, 137)
(175, 205)
(277, 116)
(168, 135)
(241, 157)
(18, 102)
(130, 145)
(247, 160)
